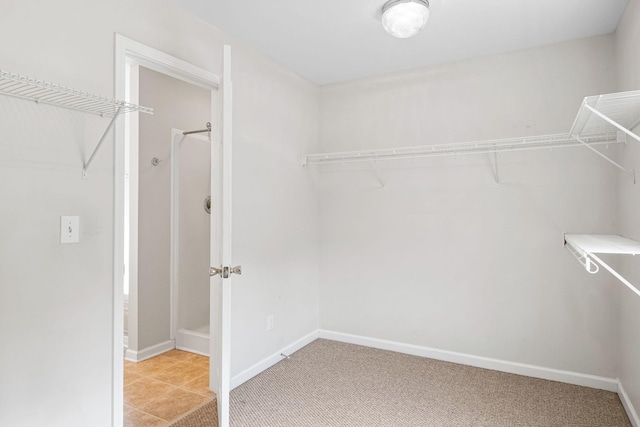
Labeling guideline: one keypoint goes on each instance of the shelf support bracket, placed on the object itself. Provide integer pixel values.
(377, 174)
(612, 122)
(496, 174)
(614, 163)
(616, 274)
(104, 135)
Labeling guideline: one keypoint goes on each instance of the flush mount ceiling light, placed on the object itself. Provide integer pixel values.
(404, 18)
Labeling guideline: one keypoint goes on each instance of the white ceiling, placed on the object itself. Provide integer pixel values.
(330, 41)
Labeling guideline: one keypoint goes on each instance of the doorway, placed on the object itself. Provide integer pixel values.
(131, 59)
(168, 225)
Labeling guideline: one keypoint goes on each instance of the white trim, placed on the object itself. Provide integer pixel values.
(628, 406)
(149, 352)
(130, 219)
(192, 341)
(117, 362)
(534, 371)
(269, 361)
(166, 64)
(173, 238)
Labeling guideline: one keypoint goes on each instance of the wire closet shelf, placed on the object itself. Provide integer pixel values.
(460, 148)
(601, 119)
(43, 92)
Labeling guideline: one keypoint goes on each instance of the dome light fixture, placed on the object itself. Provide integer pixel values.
(404, 18)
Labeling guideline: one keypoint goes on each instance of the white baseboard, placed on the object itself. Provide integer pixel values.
(628, 406)
(149, 352)
(568, 377)
(269, 361)
(192, 341)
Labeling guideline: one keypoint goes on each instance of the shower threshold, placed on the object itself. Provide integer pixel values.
(194, 340)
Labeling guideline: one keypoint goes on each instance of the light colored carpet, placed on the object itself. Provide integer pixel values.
(335, 384)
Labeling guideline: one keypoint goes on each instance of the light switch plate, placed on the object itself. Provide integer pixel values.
(69, 229)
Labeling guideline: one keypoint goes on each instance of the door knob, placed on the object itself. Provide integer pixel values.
(225, 271)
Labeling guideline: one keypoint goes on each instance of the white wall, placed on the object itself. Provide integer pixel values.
(57, 301)
(276, 210)
(628, 66)
(445, 258)
(184, 106)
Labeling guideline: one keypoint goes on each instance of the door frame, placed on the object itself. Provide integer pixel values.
(129, 56)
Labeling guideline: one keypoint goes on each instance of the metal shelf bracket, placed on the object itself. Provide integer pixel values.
(601, 112)
(104, 135)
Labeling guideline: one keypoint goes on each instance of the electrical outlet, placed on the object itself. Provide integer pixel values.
(69, 229)
(269, 322)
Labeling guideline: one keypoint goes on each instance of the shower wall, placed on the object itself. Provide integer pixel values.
(193, 156)
(176, 105)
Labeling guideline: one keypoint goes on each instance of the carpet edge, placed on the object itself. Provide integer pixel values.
(568, 377)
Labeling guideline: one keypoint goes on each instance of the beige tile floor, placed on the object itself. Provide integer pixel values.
(163, 388)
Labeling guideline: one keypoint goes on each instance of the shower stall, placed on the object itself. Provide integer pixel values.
(190, 224)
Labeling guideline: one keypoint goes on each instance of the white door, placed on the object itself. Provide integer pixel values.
(221, 266)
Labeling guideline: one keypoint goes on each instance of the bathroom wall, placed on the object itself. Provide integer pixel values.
(177, 105)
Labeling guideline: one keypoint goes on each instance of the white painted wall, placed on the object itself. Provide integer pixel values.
(628, 304)
(276, 210)
(55, 300)
(445, 258)
(177, 105)
(56, 308)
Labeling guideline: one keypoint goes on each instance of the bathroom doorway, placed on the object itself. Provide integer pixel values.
(168, 225)
(131, 59)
